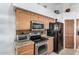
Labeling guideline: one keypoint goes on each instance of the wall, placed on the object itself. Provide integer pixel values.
(7, 28)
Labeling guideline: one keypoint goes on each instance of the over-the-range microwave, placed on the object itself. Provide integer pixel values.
(37, 25)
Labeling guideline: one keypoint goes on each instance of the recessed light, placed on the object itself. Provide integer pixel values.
(67, 10)
(45, 6)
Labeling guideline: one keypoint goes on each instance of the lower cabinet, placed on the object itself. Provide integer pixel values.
(50, 45)
(26, 49)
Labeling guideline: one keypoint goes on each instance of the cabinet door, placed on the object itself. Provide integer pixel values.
(29, 52)
(22, 20)
(46, 22)
(26, 49)
(41, 18)
(50, 45)
(26, 21)
(34, 17)
(18, 19)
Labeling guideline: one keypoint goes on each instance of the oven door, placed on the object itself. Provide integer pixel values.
(41, 48)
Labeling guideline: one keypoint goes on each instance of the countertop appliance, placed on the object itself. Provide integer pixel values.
(56, 30)
(22, 37)
(37, 25)
(41, 44)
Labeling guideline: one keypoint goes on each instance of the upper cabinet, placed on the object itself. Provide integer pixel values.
(51, 20)
(46, 22)
(33, 17)
(24, 18)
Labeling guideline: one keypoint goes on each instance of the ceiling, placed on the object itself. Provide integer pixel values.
(61, 6)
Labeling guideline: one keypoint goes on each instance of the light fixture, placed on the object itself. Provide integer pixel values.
(57, 11)
(67, 10)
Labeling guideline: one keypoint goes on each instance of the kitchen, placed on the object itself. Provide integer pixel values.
(36, 25)
(41, 32)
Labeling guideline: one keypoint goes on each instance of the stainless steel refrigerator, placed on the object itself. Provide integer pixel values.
(56, 30)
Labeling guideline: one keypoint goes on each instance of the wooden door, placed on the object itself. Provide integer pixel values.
(77, 36)
(69, 33)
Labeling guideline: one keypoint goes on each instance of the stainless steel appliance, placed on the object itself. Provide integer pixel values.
(35, 25)
(23, 37)
(56, 30)
(41, 44)
(41, 48)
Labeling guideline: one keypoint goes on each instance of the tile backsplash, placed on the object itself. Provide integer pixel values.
(18, 32)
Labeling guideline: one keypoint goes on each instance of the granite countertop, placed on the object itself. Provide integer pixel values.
(22, 43)
(50, 36)
(47, 36)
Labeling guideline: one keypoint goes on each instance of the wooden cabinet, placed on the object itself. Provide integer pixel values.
(69, 33)
(22, 20)
(41, 18)
(51, 20)
(34, 17)
(26, 49)
(46, 22)
(50, 45)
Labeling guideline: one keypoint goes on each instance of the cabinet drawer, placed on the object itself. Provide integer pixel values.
(25, 48)
(29, 52)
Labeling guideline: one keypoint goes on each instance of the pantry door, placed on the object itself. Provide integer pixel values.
(69, 33)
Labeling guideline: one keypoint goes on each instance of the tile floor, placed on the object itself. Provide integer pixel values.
(66, 52)
(77, 51)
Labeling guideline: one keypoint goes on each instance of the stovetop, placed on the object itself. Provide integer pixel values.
(40, 40)
(37, 38)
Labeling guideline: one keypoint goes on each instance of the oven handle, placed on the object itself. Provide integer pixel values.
(41, 43)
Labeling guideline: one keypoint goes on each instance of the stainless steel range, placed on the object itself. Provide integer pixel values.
(41, 48)
(41, 44)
